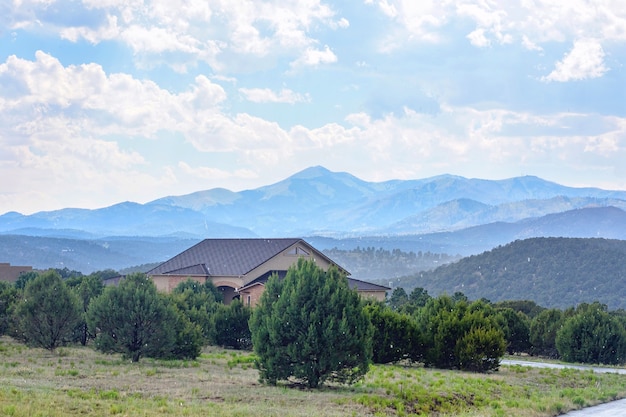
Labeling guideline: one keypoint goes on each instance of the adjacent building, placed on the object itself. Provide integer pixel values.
(11, 273)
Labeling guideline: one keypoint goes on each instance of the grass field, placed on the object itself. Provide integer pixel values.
(81, 382)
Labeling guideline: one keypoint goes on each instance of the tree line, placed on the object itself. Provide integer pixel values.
(554, 272)
(587, 333)
(371, 263)
(59, 307)
(308, 328)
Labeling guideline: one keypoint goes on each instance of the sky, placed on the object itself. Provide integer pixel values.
(105, 101)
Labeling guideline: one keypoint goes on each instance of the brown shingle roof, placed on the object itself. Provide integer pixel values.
(225, 257)
(355, 284)
(191, 270)
(365, 286)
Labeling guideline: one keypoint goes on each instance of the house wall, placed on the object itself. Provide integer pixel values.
(375, 295)
(252, 295)
(167, 283)
(284, 260)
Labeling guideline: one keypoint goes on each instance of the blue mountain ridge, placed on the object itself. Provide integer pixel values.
(317, 201)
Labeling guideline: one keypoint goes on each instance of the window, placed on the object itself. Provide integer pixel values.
(298, 251)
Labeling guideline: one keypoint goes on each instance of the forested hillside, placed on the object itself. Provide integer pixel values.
(88, 256)
(381, 264)
(553, 272)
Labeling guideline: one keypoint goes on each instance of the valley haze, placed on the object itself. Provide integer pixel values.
(443, 214)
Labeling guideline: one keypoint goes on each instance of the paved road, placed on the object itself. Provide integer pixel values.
(598, 369)
(611, 409)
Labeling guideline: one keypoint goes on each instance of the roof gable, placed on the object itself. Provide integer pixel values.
(355, 284)
(226, 257)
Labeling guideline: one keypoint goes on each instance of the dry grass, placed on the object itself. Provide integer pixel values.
(80, 381)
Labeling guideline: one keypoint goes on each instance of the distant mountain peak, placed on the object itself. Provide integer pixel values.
(312, 172)
(318, 199)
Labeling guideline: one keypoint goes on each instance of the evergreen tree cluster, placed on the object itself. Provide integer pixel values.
(553, 272)
(588, 333)
(60, 307)
(371, 263)
(442, 332)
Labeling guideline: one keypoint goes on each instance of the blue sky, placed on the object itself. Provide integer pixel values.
(103, 101)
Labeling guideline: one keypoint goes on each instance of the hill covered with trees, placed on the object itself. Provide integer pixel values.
(377, 263)
(553, 272)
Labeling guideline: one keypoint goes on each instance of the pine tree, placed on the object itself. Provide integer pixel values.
(8, 299)
(543, 330)
(592, 335)
(231, 326)
(515, 325)
(199, 302)
(48, 313)
(133, 319)
(86, 289)
(311, 327)
(461, 335)
(396, 336)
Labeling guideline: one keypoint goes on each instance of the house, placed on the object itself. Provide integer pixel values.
(241, 267)
(11, 273)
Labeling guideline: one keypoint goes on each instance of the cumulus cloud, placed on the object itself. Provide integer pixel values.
(88, 126)
(213, 174)
(312, 57)
(201, 30)
(478, 38)
(585, 60)
(477, 142)
(503, 21)
(530, 45)
(79, 131)
(488, 19)
(74, 125)
(265, 95)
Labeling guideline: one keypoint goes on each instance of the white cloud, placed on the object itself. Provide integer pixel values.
(66, 129)
(386, 8)
(312, 57)
(585, 60)
(489, 19)
(210, 173)
(530, 45)
(343, 23)
(478, 38)
(107, 31)
(87, 126)
(201, 30)
(421, 19)
(156, 40)
(503, 21)
(265, 95)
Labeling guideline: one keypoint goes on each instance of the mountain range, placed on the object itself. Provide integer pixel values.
(445, 214)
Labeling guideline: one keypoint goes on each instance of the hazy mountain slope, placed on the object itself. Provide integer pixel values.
(88, 255)
(553, 272)
(320, 202)
(464, 213)
(607, 222)
(124, 219)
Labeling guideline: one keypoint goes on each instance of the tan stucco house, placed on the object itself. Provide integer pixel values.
(241, 267)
